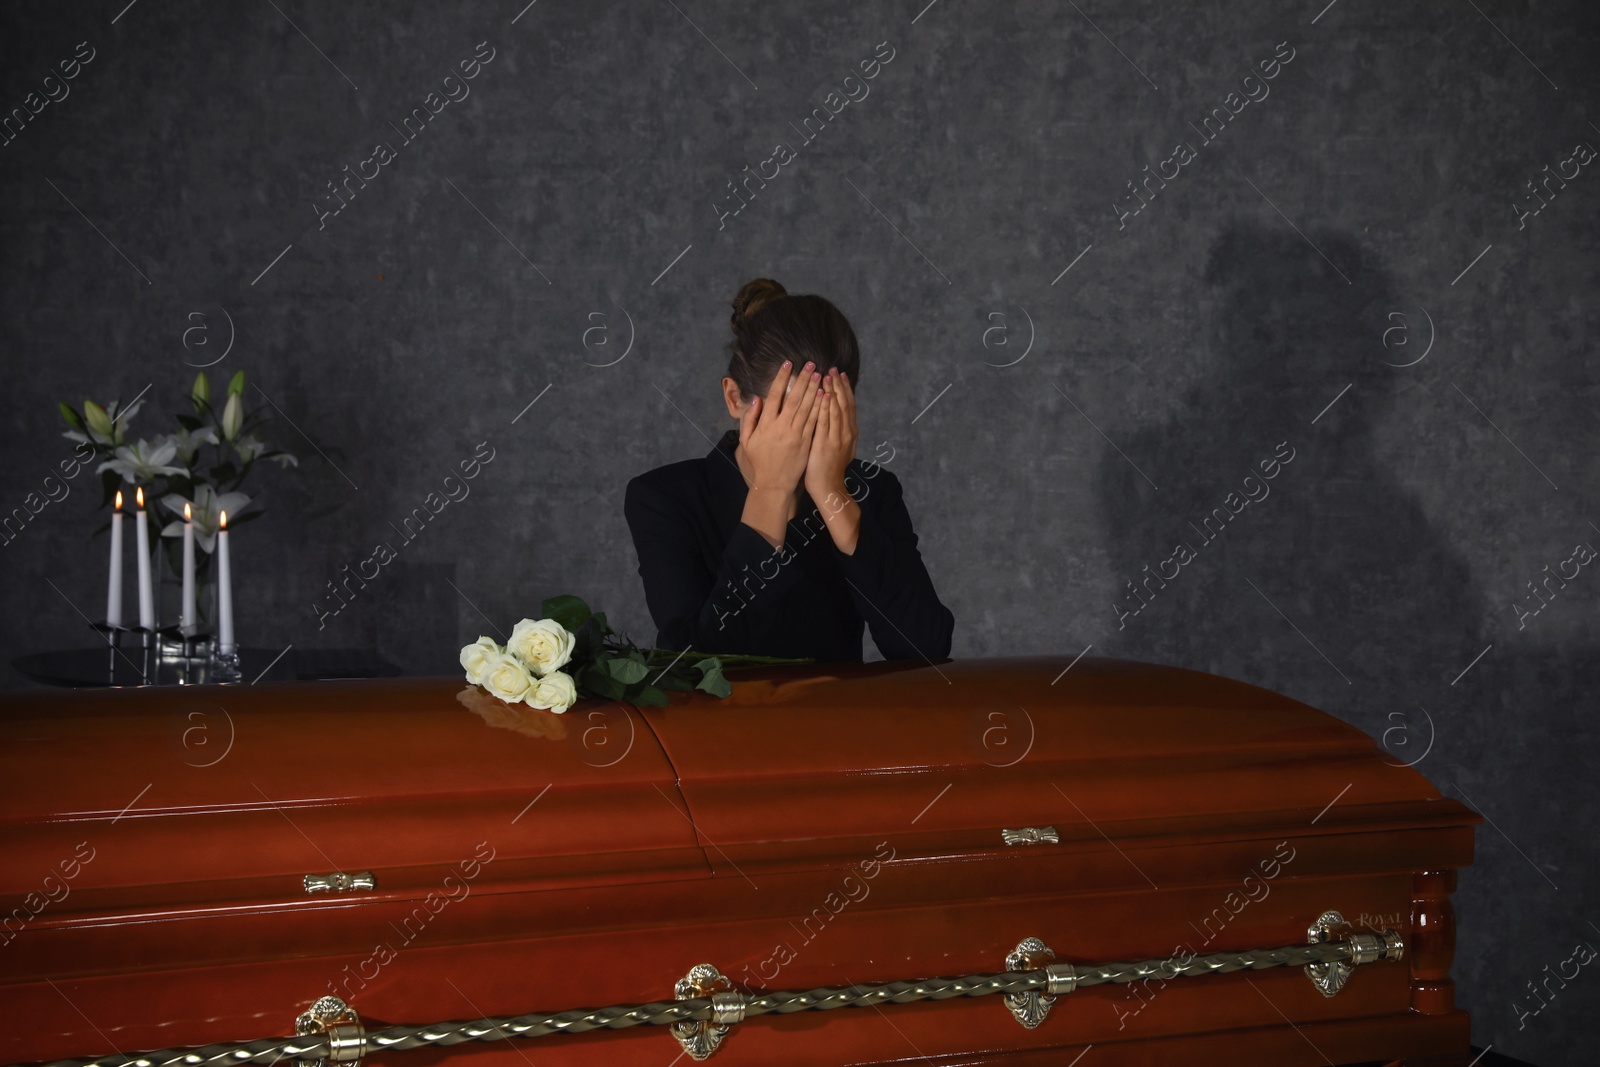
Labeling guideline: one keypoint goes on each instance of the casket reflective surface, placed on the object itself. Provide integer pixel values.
(196, 865)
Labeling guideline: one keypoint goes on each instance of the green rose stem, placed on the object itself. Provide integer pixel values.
(727, 659)
(606, 664)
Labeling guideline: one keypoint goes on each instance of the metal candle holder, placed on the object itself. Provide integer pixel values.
(189, 656)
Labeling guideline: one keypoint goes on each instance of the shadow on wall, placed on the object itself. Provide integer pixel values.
(1336, 544)
(1280, 514)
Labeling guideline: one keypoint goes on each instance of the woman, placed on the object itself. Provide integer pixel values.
(779, 542)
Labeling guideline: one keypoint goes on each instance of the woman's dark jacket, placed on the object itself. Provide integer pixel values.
(714, 584)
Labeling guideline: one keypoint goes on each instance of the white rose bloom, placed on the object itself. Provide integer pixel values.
(543, 644)
(556, 692)
(504, 676)
(475, 657)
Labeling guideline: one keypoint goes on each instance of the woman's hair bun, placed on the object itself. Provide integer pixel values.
(770, 326)
(753, 296)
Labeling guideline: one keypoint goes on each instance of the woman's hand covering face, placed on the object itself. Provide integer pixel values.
(776, 431)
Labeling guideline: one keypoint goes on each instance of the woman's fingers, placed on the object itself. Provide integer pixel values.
(780, 383)
(747, 421)
(804, 397)
(848, 430)
(820, 403)
(847, 394)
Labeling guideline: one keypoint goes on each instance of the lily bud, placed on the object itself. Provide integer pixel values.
(236, 384)
(71, 416)
(201, 393)
(95, 415)
(232, 417)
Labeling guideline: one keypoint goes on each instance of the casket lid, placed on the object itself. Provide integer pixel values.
(806, 765)
(206, 797)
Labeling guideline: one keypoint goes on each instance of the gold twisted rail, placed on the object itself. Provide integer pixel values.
(331, 1032)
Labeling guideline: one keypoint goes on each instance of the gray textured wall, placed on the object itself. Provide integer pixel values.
(582, 177)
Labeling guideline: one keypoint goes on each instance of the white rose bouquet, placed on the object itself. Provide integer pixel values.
(598, 662)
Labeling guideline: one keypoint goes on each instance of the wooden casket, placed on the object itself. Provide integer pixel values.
(993, 861)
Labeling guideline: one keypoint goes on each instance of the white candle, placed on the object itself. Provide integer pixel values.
(147, 593)
(225, 643)
(114, 589)
(186, 616)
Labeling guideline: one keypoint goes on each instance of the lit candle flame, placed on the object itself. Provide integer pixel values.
(138, 496)
(186, 516)
(222, 520)
(119, 499)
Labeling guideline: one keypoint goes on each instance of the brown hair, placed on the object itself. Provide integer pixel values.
(770, 326)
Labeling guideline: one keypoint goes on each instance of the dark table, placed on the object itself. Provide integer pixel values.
(104, 666)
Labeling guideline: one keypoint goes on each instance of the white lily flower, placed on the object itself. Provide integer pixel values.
(106, 425)
(98, 420)
(189, 443)
(144, 461)
(121, 418)
(253, 448)
(206, 506)
(232, 416)
(249, 448)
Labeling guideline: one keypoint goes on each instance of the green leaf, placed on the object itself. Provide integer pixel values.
(610, 689)
(586, 646)
(711, 679)
(109, 481)
(648, 696)
(189, 422)
(568, 610)
(594, 681)
(73, 418)
(625, 670)
(676, 680)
